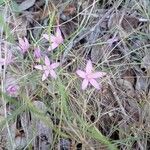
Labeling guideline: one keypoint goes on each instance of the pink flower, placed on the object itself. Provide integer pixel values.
(55, 40)
(37, 54)
(89, 76)
(48, 69)
(24, 45)
(12, 89)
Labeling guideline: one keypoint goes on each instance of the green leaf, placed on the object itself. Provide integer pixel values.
(15, 7)
(2, 1)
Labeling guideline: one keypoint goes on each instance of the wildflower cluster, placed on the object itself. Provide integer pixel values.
(89, 76)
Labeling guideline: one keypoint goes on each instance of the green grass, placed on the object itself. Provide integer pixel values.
(120, 109)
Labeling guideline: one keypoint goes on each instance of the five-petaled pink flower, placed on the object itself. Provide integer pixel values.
(89, 76)
(24, 45)
(55, 40)
(48, 69)
(37, 54)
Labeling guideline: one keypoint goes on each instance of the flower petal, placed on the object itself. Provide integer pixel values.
(58, 32)
(47, 62)
(40, 67)
(53, 74)
(59, 35)
(54, 65)
(26, 43)
(84, 84)
(46, 36)
(50, 38)
(45, 75)
(94, 83)
(98, 74)
(21, 42)
(60, 40)
(81, 73)
(53, 46)
(13, 90)
(112, 40)
(89, 67)
(37, 53)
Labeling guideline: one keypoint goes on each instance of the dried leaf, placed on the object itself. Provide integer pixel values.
(20, 142)
(18, 138)
(142, 83)
(40, 105)
(43, 132)
(97, 53)
(68, 28)
(36, 129)
(130, 76)
(146, 63)
(26, 5)
(64, 144)
(69, 12)
(126, 86)
(19, 26)
(15, 6)
(128, 23)
(3, 139)
(44, 13)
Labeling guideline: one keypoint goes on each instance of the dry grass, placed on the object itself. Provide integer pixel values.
(57, 114)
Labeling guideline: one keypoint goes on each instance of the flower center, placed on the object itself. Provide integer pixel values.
(89, 76)
(48, 68)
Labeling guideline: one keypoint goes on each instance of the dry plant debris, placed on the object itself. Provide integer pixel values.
(43, 108)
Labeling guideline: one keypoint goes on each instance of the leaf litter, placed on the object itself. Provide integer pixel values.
(114, 36)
